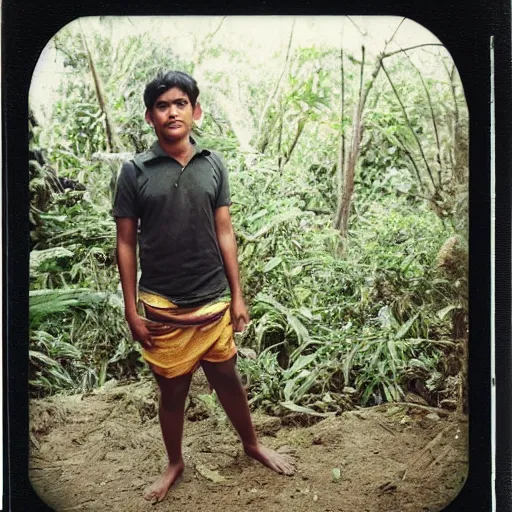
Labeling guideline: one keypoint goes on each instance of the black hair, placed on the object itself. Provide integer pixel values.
(167, 80)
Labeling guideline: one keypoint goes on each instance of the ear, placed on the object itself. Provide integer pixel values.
(148, 119)
(198, 112)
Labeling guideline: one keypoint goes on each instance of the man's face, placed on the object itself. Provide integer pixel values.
(172, 115)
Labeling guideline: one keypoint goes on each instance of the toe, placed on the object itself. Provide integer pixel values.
(278, 469)
(289, 469)
(285, 469)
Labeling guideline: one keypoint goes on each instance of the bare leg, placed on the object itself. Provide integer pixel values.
(171, 411)
(224, 378)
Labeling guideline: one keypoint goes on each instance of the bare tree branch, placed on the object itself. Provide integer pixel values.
(432, 115)
(361, 75)
(206, 40)
(343, 138)
(111, 139)
(452, 90)
(345, 201)
(413, 162)
(359, 29)
(408, 122)
(390, 54)
(273, 94)
(300, 128)
(347, 175)
(280, 135)
(210, 36)
(365, 34)
(394, 33)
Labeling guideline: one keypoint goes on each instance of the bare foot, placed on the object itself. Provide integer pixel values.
(157, 491)
(282, 464)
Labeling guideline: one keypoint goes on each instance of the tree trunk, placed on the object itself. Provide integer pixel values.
(460, 130)
(347, 176)
(112, 143)
(345, 201)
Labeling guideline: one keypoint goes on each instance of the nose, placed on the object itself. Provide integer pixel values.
(172, 110)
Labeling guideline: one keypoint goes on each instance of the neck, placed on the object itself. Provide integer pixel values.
(177, 149)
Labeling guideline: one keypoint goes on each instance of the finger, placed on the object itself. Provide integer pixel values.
(145, 340)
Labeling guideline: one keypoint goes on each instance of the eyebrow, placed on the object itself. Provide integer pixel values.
(177, 100)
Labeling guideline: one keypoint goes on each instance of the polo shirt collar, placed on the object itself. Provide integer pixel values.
(156, 151)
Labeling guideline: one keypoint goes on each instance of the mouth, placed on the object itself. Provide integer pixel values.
(173, 125)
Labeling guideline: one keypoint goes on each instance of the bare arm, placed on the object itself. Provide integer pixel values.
(126, 249)
(227, 244)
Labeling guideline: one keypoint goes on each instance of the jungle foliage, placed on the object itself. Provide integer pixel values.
(341, 314)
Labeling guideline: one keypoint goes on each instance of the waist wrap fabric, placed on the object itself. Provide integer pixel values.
(182, 337)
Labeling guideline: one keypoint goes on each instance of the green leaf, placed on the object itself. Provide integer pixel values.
(296, 271)
(300, 363)
(299, 328)
(273, 263)
(103, 373)
(443, 312)
(39, 257)
(405, 327)
(392, 352)
(278, 219)
(61, 376)
(306, 410)
(43, 358)
(306, 385)
(347, 364)
(256, 216)
(288, 388)
(44, 302)
(62, 349)
(418, 363)
(305, 312)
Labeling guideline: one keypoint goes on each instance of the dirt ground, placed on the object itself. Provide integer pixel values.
(99, 451)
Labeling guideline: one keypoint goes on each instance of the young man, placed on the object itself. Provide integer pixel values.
(188, 256)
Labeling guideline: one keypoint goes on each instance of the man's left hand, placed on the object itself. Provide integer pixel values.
(239, 315)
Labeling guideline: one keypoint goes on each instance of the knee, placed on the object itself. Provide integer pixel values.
(172, 400)
(173, 397)
(223, 375)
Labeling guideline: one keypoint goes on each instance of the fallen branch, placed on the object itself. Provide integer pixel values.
(428, 447)
(442, 455)
(437, 410)
(385, 427)
(391, 485)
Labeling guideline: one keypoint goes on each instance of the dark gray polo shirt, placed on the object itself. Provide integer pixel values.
(179, 254)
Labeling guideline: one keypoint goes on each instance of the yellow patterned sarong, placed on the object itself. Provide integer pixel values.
(182, 337)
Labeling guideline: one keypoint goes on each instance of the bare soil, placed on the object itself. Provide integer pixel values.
(99, 451)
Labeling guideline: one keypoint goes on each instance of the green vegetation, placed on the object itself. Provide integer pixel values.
(340, 314)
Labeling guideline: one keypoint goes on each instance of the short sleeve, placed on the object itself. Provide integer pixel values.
(126, 195)
(223, 197)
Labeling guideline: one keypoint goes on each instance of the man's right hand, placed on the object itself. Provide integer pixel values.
(140, 331)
